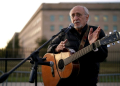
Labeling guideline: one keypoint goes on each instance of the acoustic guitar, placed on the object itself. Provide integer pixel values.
(66, 65)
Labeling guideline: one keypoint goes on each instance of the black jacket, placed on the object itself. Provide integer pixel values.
(89, 63)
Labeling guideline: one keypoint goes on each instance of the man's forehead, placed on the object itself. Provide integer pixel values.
(77, 9)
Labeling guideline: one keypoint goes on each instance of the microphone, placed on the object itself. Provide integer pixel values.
(52, 68)
(69, 27)
(50, 63)
(32, 75)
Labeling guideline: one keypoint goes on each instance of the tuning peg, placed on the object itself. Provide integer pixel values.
(114, 30)
(110, 32)
(118, 42)
(108, 45)
(113, 43)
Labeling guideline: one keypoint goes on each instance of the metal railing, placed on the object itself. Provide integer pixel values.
(109, 77)
(109, 71)
(21, 78)
(109, 80)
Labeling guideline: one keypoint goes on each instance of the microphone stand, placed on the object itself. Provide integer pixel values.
(34, 60)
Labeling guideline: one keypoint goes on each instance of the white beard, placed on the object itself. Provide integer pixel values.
(78, 27)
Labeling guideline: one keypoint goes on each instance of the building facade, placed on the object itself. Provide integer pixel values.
(50, 18)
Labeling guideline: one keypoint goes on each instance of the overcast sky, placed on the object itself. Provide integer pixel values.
(14, 15)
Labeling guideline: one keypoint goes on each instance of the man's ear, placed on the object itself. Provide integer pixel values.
(87, 18)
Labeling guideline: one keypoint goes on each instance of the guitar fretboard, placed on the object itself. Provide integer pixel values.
(81, 53)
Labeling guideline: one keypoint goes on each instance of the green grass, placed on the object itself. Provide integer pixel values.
(21, 78)
(24, 67)
(109, 79)
(109, 67)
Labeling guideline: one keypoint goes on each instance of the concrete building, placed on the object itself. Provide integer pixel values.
(50, 18)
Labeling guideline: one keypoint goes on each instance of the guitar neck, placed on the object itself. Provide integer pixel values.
(81, 53)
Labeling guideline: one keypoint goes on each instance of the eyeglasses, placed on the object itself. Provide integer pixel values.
(77, 14)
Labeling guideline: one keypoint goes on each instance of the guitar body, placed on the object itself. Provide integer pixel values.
(55, 78)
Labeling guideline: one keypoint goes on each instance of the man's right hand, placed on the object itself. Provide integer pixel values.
(61, 46)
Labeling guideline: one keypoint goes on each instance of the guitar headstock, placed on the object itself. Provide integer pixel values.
(117, 42)
(113, 37)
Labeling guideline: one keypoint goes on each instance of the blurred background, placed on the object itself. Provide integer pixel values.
(47, 20)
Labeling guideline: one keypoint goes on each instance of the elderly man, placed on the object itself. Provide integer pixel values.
(77, 38)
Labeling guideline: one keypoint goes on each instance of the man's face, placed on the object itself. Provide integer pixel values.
(78, 17)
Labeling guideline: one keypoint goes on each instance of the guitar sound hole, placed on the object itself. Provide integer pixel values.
(61, 64)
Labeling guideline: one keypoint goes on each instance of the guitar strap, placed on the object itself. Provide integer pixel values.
(84, 38)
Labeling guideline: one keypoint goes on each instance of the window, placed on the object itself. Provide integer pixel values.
(69, 18)
(52, 18)
(114, 28)
(96, 18)
(105, 18)
(60, 27)
(61, 18)
(52, 28)
(89, 18)
(114, 18)
(106, 28)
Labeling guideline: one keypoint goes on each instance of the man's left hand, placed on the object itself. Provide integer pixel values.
(93, 36)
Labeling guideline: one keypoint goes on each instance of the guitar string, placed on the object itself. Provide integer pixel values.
(78, 54)
(81, 53)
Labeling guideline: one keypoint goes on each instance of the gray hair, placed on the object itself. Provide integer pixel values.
(85, 9)
(86, 12)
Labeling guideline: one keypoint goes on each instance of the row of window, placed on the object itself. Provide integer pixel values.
(105, 28)
(96, 18)
(115, 28)
(61, 18)
(105, 18)
(52, 28)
